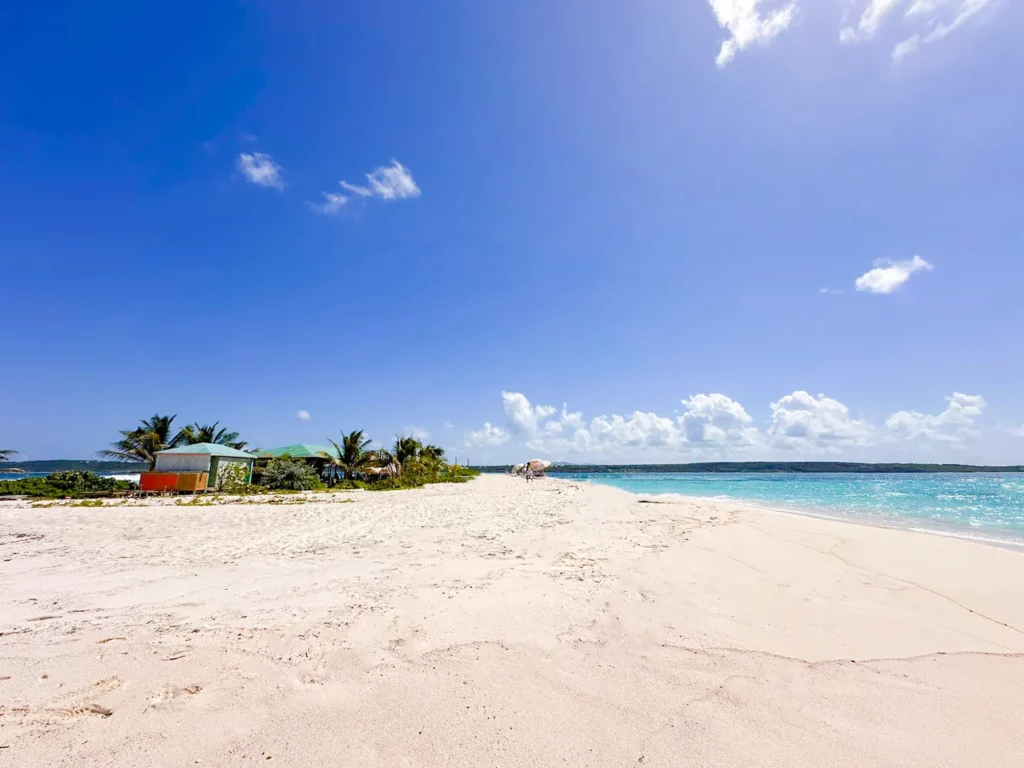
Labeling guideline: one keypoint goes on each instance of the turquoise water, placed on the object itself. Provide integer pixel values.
(23, 475)
(986, 507)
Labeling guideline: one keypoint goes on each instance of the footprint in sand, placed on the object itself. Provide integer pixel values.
(170, 695)
(82, 702)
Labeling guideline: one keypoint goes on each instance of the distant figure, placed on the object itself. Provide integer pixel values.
(529, 474)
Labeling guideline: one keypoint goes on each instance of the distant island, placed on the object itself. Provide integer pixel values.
(65, 465)
(807, 467)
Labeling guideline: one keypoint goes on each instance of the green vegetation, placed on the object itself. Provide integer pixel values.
(289, 475)
(155, 434)
(764, 466)
(61, 485)
(233, 477)
(141, 444)
(351, 457)
(407, 464)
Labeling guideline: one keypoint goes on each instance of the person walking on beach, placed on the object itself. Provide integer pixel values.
(529, 473)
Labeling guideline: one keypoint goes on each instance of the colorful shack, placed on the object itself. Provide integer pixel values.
(197, 468)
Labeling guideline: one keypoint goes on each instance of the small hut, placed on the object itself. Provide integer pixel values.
(195, 468)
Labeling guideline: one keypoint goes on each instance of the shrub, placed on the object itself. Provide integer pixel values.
(64, 485)
(287, 475)
(233, 477)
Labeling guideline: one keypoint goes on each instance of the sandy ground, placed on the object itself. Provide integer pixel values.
(501, 624)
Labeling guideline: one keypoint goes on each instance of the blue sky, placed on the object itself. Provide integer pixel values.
(710, 229)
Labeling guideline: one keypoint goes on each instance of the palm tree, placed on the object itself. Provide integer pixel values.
(351, 456)
(6, 453)
(405, 451)
(142, 443)
(209, 433)
(432, 452)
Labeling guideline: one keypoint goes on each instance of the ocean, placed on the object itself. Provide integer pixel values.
(133, 476)
(983, 507)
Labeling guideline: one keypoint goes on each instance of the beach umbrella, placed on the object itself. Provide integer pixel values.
(538, 465)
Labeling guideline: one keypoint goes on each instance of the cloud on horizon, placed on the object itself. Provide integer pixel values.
(714, 427)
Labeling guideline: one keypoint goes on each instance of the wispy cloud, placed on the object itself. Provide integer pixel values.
(332, 204)
(302, 415)
(888, 276)
(260, 169)
(389, 182)
(941, 18)
(749, 22)
(830, 291)
(870, 20)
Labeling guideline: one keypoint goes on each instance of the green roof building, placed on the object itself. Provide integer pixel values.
(297, 451)
(205, 457)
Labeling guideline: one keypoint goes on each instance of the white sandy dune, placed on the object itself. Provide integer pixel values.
(501, 623)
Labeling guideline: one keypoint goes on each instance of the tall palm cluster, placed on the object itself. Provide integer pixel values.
(157, 433)
(6, 453)
(353, 457)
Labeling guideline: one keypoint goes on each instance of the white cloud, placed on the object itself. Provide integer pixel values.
(709, 423)
(716, 419)
(449, 425)
(809, 424)
(261, 169)
(870, 20)
(716, 426)
(489, 435)
(830, 291)
(940, 18)
(302, 415)
(749, 22)
(332, 204)
(521, 415)
(1018, 431)
(955, 424)
(906, 47)
(389, 182)
(887, 276)
(420, 433)
(927, 21)
(930, 21)
(641, 430)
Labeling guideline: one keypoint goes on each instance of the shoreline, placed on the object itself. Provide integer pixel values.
(1013, 541)
(504, 623)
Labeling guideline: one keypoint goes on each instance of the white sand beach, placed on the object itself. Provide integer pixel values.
(501, 623)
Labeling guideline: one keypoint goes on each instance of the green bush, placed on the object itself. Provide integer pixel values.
(59, 485)
(233, 477)
(287, 475)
